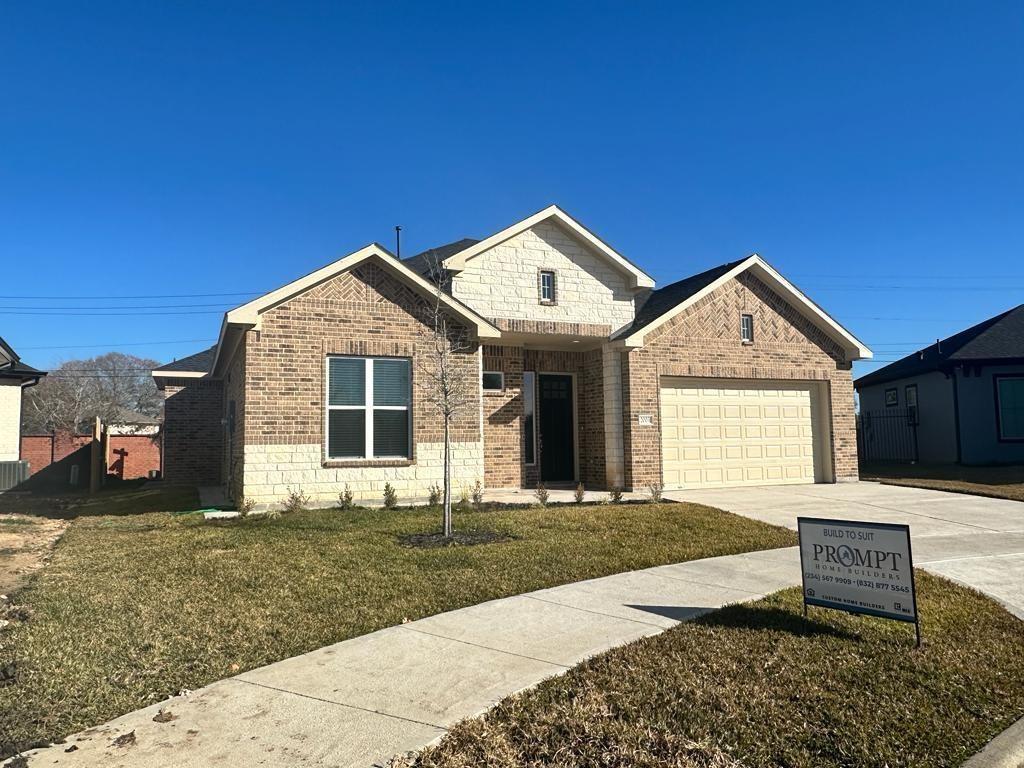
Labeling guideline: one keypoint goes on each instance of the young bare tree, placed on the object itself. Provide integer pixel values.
(443, 377)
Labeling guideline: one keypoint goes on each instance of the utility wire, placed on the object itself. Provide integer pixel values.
(125, 306)
(140, 296)
(120, 344)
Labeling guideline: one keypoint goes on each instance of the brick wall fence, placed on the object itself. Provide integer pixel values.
(51, 457)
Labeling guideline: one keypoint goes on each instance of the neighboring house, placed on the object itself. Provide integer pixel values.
(965, 393)
(126, 422)
(579, 370)
(14, 377)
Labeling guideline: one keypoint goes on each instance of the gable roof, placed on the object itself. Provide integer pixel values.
(456, 262)
(249, 315)
(998, 338)
(199, 364)
(670, 301)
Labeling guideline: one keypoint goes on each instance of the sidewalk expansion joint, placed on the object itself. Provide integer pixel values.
(484, 647)
(337, 703)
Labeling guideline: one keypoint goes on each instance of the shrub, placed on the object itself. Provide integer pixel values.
(463, 498)
(345, 499)
(295, 501)
(478, 495)
(579, 493)
(390, 496)
(615, 495)
(542, 494)
(434, 499)
(655, 489)
(245, 506)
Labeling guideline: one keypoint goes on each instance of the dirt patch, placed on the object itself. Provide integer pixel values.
(25, 544)
(466, 538)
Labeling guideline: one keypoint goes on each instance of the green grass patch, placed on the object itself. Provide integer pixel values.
(758, 685)
(134, 608)
(1002, 482)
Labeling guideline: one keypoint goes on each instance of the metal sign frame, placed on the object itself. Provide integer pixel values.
(899, 527)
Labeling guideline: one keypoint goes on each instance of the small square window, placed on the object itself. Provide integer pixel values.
(547, 287)
(747, 328)
(493, 381)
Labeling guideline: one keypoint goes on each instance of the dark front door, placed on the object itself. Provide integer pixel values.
(557, 445)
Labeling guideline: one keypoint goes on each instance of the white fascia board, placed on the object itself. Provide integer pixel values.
(853, 346)
(177, 374)
(248, 315)
(639, 278)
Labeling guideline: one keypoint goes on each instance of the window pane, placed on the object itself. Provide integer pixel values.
(1011, 408)
(390, 433)
(346, 383)
(390, 382)
(528, 418)
(346, 434)
(493, 381)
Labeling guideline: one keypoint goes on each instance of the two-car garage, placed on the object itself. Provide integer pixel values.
(719, 432)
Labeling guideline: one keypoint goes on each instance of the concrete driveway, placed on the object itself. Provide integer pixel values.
(974, 540)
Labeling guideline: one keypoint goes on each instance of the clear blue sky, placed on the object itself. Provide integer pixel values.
(210, 147)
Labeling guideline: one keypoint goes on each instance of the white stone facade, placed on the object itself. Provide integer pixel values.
(503, 281)
(272, 471)
(10, 421)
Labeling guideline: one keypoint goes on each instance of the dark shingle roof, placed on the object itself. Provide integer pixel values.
(422, 263)
(662, 300)
(200, 362)
(11, 366)
(998, 338)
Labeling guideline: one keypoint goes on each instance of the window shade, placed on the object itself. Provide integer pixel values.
(347, 381)
(390, 382)
(347, 431)
(390, 433)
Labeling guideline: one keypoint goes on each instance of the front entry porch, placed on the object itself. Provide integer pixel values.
(547, 421)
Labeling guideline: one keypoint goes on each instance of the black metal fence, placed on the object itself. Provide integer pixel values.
(888, 435)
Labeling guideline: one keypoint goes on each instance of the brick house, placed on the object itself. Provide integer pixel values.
(578, 369)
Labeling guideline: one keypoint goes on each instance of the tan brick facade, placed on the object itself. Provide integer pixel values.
(193, 434)
(704, 341)
(366, 312)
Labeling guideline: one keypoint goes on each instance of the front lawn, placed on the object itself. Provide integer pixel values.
(758, 685)
(1005, 482)
(132, 609)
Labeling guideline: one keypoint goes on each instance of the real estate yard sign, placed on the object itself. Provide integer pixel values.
(864, 568)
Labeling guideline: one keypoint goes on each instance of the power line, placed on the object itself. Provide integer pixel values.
(113, 314)
(120, 344)
(126, 306)
(141, 296)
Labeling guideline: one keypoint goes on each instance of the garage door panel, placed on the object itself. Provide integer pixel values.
(739, 434)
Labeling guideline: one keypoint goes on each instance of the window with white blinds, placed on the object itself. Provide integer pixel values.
(368, 410)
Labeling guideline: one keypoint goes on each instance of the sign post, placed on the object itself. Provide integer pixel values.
(861, 568)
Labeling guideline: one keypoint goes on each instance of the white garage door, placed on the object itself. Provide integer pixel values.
(716, 432)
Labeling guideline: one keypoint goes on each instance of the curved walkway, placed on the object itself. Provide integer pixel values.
(364, 700)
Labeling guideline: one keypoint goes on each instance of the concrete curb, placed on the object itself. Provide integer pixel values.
(1004, 751)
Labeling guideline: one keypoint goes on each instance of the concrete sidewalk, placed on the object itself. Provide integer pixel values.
(362, 701)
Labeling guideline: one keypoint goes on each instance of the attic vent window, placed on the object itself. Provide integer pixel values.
(547, 284)
(747, 328)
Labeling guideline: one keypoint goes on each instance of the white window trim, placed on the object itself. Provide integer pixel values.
(743, 336)
(367, 407)
(493, 373)
(547, 273)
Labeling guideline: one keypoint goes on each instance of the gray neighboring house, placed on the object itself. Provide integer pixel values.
(967, 391)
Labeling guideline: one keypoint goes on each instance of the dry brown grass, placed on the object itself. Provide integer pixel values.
(760, 685)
